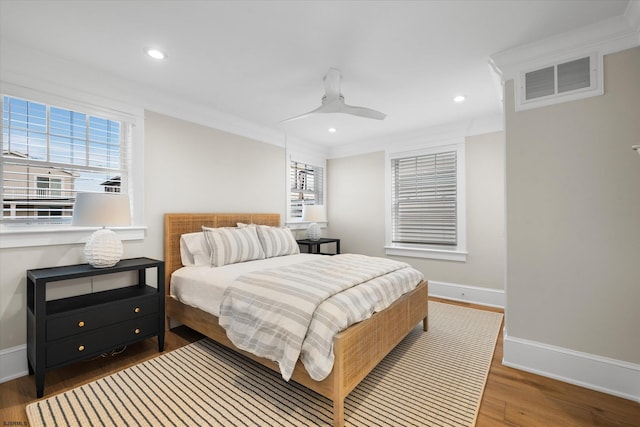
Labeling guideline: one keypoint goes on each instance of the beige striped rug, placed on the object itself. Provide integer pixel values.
(433, 378)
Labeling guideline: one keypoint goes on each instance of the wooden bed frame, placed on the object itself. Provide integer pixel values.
(357, 349)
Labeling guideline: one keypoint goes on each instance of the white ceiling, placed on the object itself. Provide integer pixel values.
(263, 61)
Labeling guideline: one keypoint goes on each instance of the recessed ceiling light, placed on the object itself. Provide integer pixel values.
(459, 98)
(332, 130)
(155, 53)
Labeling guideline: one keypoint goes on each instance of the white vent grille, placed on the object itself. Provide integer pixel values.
(574, 75)
(560, 82)
(540, 83)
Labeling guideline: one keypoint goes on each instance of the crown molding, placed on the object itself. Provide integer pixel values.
(39, 71)
(607, 36)
(478, 126)
(632, 14)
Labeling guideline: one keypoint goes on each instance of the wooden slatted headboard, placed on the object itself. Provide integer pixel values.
(177, 224)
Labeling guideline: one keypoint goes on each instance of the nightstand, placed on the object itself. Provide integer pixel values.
(313, 246)
(67, 330)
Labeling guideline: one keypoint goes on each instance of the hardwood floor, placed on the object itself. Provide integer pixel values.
(511, 397)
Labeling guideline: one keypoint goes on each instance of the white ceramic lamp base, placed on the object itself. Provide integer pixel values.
(103, 249)
(313, 231)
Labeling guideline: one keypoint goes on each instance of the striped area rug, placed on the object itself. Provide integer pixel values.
(433, 378)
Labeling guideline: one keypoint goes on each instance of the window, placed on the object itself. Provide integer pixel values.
(426, 203)
(51, 153)
(306, 178)
(423, 190)
(306, 187)
(48, 187)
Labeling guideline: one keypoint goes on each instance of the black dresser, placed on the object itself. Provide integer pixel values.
(67, 330)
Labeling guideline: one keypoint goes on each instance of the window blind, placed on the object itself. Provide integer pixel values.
(306, 187)
(50, 153)
(423, 191)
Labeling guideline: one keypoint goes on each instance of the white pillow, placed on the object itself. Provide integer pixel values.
(277, 241)
(185, 256)
(194, 249)
(229, 245)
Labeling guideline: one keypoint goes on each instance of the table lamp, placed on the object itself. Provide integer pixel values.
(313, 214)
(104, 248)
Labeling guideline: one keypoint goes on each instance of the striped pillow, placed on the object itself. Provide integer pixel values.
(277, 241)
(231, 245)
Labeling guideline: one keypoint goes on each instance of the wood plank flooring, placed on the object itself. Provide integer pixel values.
(511, 397)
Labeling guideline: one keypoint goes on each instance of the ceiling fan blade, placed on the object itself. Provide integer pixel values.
(332, 84)
(320, 109)
(363, 112)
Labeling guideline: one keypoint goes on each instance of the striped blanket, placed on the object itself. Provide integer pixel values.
(292, 312)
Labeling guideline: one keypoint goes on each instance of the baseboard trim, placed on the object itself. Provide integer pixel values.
(466, 293)
(602, 374)
(13, 363)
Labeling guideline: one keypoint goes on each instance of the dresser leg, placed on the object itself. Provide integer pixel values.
(39, 383)
(161, 341)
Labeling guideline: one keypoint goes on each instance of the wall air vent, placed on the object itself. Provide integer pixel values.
(560, 82)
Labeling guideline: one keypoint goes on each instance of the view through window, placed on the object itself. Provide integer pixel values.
(51, 153)
(306, 187)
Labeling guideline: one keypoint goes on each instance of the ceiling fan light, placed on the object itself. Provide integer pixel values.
(332, 130)
(459, 98)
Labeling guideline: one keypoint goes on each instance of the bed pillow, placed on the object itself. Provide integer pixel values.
(185, 256)
(194, 249)
(230, 245)
(277, 241)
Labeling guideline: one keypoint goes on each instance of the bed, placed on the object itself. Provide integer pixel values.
(357, 350)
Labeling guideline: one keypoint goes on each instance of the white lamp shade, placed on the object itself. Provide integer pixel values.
(104, 248)
(313, 213)
(101, 210)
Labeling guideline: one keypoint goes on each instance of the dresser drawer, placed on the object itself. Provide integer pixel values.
(96, 342)
(89, 319)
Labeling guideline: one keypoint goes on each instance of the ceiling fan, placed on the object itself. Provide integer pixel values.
(333, 101)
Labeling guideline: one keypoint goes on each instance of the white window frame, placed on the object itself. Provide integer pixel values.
(440, 252)
(301, 157)
(28, 235)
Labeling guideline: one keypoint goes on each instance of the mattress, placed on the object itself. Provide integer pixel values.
(203, 286)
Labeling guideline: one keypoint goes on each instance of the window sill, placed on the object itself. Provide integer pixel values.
(303, 225)
(15, 236)
(430, 253)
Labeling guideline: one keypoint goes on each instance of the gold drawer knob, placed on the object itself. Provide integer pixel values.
(81, 324)
(136, 310)
(81, 348)
(137, 331)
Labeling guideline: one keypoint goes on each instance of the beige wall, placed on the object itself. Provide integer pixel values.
(573, 218)
(356, 211)
(188, 168)
(355, 203)
(193, 168)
